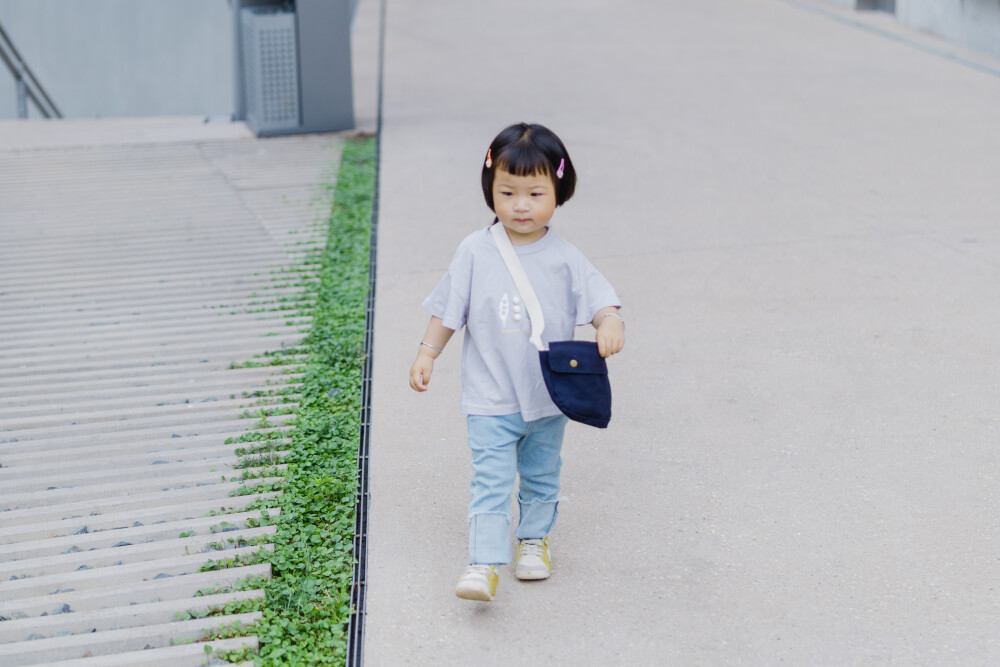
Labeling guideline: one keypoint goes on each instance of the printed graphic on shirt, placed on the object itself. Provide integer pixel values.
(513, 318)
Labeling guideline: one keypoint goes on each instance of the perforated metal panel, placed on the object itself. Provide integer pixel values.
(878, 5)
(270, 69)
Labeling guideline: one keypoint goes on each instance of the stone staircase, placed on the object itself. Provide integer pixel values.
(135, 280)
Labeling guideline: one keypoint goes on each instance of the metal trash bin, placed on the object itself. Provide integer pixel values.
(293, 66)
(270, 69)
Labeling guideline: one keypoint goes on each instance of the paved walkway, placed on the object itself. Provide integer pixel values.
(132, 277)
(801, 218)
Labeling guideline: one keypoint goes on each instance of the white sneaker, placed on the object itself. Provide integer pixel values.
(479, 582)
(533, 559)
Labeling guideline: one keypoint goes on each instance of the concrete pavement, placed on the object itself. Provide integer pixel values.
(800, 217)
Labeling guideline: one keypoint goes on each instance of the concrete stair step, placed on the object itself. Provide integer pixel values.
(152, 292)
(41, 449)
(130, 553)
(179, 250)
(132, 338)
(182, 252)
(220, 458)
(181, 259)
(121, 398)
(155, 240)
(118, 641)
(30, 372)
(55, 296)
(22, 478)
(97, 464)
(214, 384)
(81, 328)
(114, 618)
(83, 280)
(142, 368)
(154, 515)
(76, 278)
(187, 655)
(150, 376)
(109, 490)
(104, 539)
(105, 576)
(152, 304)
(125, 593)
(205, 420)
(85, 315)
(68, 425)
(85, 511)
(113, 343)
(112, 411)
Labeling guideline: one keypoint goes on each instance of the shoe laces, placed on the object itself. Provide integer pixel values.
(532, 548)
(480, 569)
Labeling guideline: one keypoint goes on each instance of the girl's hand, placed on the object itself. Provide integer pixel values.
(610, 332)
(432, 344)
(420, 371)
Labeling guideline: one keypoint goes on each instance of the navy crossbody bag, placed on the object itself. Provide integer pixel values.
(575, 373)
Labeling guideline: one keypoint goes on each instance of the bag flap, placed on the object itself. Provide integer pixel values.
(576, 356)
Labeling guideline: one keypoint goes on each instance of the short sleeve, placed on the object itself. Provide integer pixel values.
(592, 292)
(450, 299)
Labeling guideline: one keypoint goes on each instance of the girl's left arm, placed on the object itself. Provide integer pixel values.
(610, 331)
(431, 346)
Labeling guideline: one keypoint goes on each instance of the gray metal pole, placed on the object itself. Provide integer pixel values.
(22, 91)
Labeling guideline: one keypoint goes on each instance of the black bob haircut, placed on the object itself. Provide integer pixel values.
(527, 150)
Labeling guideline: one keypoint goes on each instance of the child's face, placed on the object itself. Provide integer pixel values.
(524, 204)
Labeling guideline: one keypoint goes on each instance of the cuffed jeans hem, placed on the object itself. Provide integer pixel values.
(538, 517)
(489, 538)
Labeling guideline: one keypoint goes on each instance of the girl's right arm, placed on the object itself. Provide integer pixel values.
(436, 336)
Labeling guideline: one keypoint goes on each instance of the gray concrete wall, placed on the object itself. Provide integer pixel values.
(971, 23)
(124, 57)
(974, 24)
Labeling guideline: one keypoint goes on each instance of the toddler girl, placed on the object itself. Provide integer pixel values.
(514, 427)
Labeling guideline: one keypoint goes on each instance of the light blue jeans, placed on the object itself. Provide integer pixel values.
(502, 448)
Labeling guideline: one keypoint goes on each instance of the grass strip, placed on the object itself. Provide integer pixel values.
(307, 600)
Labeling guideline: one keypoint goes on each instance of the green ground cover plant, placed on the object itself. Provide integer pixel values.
(307, 606)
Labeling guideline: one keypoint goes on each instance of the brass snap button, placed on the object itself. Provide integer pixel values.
(573, 363)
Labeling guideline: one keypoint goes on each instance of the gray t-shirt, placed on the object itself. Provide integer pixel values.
(500, 367)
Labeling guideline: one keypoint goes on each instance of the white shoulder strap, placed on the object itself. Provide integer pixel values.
(521, 282)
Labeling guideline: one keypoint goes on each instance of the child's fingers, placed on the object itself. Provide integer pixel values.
(420, 377)
(602, 347)
(608, 345)
(418, 383)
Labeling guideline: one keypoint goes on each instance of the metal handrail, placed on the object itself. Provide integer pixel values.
(28, 86)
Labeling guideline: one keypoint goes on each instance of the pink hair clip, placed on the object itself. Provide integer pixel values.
(562, 168)
(489, 158)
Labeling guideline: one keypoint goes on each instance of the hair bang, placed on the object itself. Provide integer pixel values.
(523, 158)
